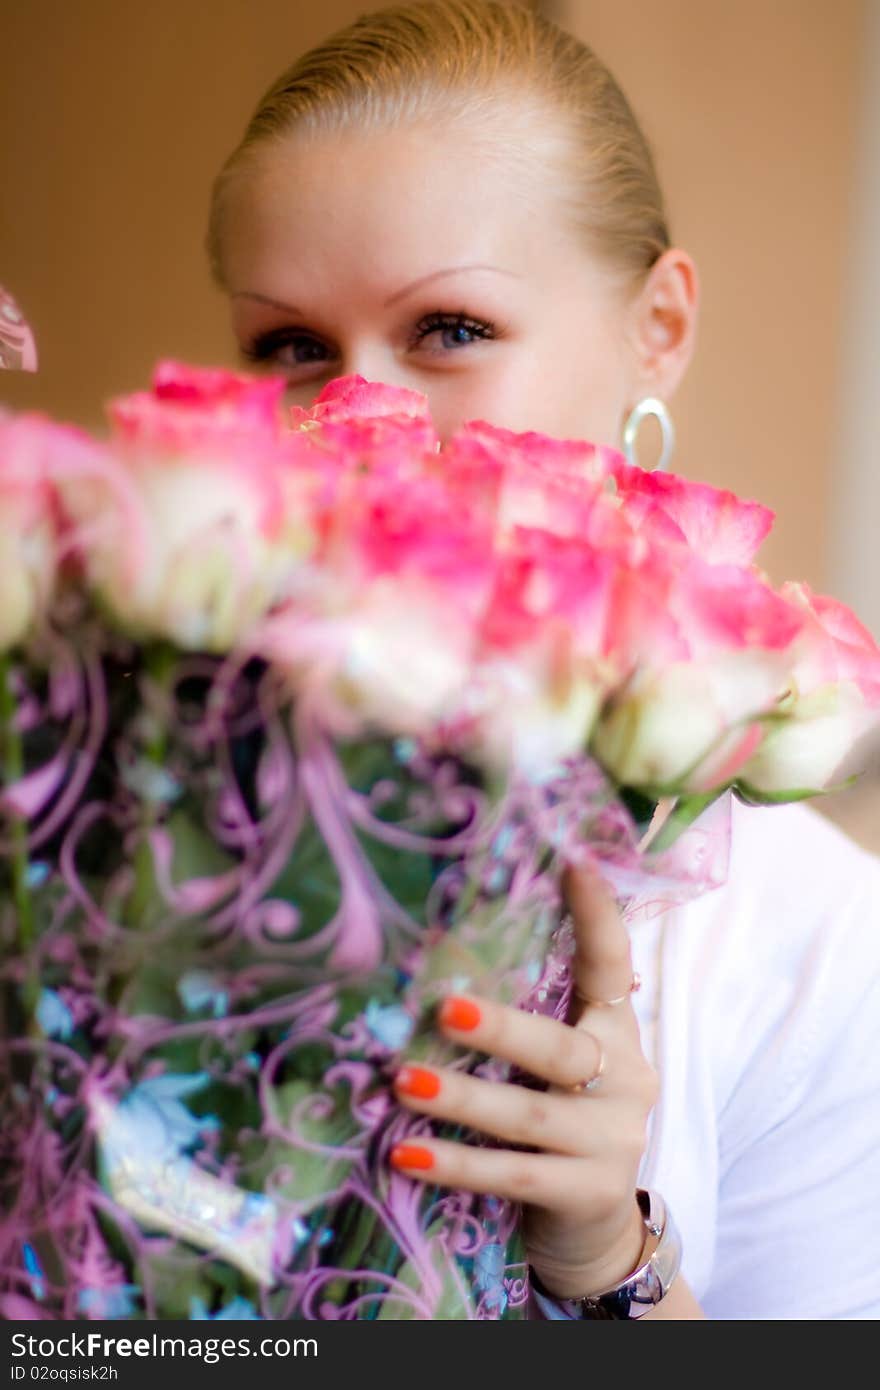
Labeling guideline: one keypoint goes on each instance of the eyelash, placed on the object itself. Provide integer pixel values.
(261, 348)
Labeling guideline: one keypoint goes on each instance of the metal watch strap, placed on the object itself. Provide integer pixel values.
(633, 1297)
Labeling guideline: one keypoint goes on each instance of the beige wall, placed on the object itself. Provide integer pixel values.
(115, 116)
(855, 532)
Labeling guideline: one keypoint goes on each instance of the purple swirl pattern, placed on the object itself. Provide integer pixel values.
(220, 932)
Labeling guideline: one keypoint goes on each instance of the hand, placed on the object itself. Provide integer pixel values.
(582, 1225)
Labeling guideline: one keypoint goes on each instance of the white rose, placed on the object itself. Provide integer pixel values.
(688, 727)
(805, 753)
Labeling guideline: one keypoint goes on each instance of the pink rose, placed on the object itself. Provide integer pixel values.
(346, 397)
(384, 617)
(540, 471)
(528, 479)
(565, 622)
(717, 525)
(28, 548)
(833, 701)
(375, 525)
(690, 723)
(367, 419)
(211, 551)
(514, 450)
(191, 405)
(37, 456)
(393, 656)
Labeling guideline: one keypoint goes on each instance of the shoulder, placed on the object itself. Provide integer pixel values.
(769, 1043)
(769, 974)
(797, 888)
(798, 1091)
(806, 850)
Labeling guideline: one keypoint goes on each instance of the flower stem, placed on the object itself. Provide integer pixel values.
(159, 661)
(682, 815)
(13, 771)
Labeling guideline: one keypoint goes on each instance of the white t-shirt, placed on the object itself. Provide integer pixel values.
(760, 1009)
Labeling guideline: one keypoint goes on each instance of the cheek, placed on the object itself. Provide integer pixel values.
(582, 387)
(565, 394)
(581, 409)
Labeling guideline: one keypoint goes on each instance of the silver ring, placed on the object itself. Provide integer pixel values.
(611, 1003)
(581, 1088)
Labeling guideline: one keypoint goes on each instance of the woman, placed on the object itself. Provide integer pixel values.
(456, 198)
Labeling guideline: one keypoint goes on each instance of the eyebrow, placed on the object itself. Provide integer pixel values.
(398, 295)
(435, 275)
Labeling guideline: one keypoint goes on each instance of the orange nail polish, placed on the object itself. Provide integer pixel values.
(411, 1156)
(459, 1013)
(416, 1081)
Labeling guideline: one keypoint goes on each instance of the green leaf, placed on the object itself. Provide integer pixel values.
(196, 853)
(455, 1297)
(309, 881)
(180, 1274)
(313, 1176)
(408, 876)
(752, 796)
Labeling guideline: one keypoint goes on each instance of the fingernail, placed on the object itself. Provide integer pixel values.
(459, 1013)
(411, 1156)
(417, 1081)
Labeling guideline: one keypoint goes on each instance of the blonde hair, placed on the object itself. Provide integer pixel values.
(462, 61)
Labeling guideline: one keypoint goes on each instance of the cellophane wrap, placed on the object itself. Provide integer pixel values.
(226, 930)
(18, 349)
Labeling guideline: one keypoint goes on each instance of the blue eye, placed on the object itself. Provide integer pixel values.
(268, 345)
(454, 325)
(457, 331)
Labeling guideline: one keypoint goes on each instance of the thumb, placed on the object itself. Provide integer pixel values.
(602, 969)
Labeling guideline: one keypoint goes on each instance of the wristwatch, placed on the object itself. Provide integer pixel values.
(633, 1297)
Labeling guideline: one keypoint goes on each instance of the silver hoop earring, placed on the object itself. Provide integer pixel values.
(649, 405)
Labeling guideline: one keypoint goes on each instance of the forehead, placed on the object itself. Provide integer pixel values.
(386, 203)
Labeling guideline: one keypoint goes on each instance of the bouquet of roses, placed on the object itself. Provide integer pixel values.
(301, 717)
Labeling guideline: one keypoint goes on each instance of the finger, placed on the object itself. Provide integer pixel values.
(553, 1181)
(543, 1046)
(563, 1122)
(602, 968)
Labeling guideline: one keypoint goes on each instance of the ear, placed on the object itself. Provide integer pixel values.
(662, 325)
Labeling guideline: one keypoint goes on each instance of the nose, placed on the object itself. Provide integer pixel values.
(375, 363)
